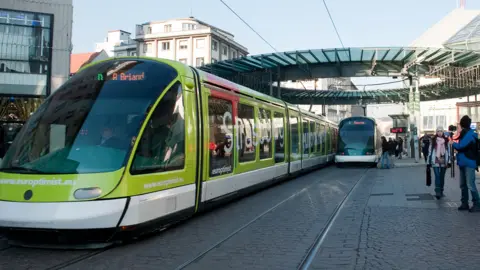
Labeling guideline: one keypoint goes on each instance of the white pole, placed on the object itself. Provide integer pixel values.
(417, 122)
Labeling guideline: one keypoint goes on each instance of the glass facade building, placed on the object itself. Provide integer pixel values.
(25, 62)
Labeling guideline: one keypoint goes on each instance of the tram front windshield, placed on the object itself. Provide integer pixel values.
(356, 137)
(89, 124)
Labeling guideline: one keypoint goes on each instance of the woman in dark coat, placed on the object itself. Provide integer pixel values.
(385, 158)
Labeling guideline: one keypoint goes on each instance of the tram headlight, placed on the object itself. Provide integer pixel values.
(87, 193)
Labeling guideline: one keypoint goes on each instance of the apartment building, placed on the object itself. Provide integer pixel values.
(187, 40)
(118, 43)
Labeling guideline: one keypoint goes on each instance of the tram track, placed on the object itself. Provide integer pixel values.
(79, 259)
(317, 243)
(308, 258)
(83, 260)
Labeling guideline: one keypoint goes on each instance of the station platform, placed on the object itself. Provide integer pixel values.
(350, 218)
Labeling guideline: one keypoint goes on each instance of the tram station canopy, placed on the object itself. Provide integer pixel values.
(404, 62)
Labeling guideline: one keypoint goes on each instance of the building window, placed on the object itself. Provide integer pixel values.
(214, 45)
(428, 122)
(25, 19)
(234, 54)
(199, 61)
(221, 137)
(149, 30)
(167, 28)
(148, 48)
(183, 60)
(162, 146)
(200, 43)
(189, 26)
(133, 54)
(225, 50)
(183, 44)
(441, 121)
(26, 42)
(165, 46)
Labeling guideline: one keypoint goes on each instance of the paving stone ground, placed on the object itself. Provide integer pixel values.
(394, 222)
(390, 221)
(267, 244)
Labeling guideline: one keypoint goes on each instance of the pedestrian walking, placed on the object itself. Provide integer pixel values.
(467, 163)
(438, 158)
(385, 158)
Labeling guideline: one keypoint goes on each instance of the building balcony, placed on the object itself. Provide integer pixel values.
(123, 47)
(23, 84)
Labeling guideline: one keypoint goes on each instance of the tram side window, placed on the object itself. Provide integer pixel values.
(329, 140)
(295, 139)
(162, 146)
(305, 137)
(318, 138)
(323, 135)
(278, 130)
(335, 136)
(246, 136)
(332, 140)
(265, 135)
(312, 137)
(221, 144)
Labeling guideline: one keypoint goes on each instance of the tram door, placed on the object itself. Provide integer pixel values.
(8, 132)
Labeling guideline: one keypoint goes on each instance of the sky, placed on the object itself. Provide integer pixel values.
(286, 24)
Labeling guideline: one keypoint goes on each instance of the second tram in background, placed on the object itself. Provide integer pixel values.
(359, 141)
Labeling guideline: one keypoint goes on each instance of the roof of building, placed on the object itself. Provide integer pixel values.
(77, 60)
(468, 34)
(189, 19)
(437, 35)
(111, 31)
(345, 62)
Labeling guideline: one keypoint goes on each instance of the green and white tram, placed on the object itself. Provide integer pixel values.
(128, 145)
(359, 141)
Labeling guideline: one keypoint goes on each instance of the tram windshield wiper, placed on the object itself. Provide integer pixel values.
(19, 168)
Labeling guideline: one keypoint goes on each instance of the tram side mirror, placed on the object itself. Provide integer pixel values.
(189, 83)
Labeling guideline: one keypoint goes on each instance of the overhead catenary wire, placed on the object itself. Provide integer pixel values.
(333, 22)
(236, 14)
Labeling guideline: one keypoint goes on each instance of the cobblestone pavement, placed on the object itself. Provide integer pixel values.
(394, 222)
(390, 220)
(277, 240)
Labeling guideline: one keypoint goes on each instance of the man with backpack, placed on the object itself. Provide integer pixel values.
(467, 160)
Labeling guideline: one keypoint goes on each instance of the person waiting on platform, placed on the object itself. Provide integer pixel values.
(384, 162)
(425, 146)
(467, 163)
(438, 157)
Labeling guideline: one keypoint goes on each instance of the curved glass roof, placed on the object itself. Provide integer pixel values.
(399, 56)
(468, 34)
(347, 62)
(430, 92)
